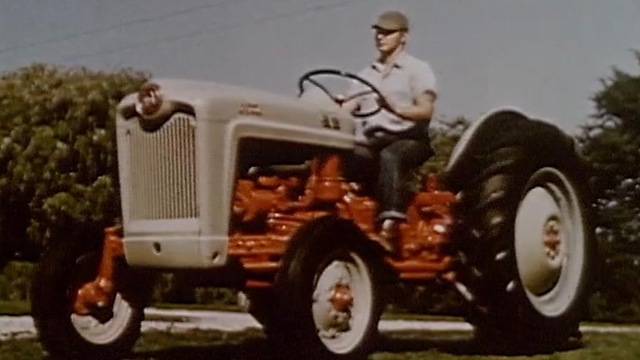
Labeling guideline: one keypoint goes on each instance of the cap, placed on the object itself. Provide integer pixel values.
(392, 20)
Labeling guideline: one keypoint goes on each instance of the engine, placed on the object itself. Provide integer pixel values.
(273, 202)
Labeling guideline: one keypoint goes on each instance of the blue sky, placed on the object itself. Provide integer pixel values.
(543, 56)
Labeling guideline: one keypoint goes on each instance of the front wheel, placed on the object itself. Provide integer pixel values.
(105, 334)
(329, 294)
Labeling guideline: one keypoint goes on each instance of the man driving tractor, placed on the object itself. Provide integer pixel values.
(392, 143)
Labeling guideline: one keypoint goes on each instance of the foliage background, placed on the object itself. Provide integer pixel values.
(611, 145)
(57, 150)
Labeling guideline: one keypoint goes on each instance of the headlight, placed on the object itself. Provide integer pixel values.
(149, 99)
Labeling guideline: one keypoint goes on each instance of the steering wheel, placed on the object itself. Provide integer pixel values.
(370, 88)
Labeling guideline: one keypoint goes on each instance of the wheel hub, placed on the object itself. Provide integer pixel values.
(552, 238)
(539, 246)
(333, 301)
(332, 310)
(341, 298)
(342, 305)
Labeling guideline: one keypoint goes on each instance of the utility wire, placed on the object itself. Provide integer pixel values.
(215, 29)
(134, 22)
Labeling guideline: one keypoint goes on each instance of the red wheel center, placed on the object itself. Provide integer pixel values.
(341, 297)
(551, 237)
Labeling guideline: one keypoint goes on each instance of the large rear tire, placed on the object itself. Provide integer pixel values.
(528, 240)
(328, 293)
(109, 334)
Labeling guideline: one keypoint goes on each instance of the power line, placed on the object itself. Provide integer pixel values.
(134, 22)
(214, 29)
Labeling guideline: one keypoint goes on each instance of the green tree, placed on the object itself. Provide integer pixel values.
(58, 154)
(445, 133)
(611, 144)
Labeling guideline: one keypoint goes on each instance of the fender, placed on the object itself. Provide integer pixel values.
(490, 129)
(328, 225)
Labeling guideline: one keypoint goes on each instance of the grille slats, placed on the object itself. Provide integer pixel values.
(162, 171)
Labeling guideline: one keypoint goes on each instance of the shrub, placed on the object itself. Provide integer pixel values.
(58, 152)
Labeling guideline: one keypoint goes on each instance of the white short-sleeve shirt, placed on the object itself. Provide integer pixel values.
(407, 78)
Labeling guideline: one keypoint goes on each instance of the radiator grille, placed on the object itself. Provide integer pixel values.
(163, 181)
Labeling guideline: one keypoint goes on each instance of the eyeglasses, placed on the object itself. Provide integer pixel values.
(385, 32)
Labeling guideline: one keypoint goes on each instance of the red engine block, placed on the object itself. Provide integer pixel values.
(269, 209)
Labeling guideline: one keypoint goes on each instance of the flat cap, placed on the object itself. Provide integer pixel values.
(392, 20)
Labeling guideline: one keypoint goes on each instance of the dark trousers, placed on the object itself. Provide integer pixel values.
(385, 167)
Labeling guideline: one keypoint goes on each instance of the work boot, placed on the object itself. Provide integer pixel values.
(390, 235)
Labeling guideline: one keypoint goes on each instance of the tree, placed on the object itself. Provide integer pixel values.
(445, 133)
(58, 154)
(611, 144)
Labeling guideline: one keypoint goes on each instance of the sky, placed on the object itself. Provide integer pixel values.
(545, 57)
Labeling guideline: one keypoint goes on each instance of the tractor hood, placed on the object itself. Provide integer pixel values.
(159, 99)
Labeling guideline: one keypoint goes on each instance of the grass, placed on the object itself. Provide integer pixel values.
(410, 346)
(14, 307)
(20, 349)
(252, 345)
(418, 317)
(397, 346)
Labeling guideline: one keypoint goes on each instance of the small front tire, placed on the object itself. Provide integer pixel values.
(329, 294)
(108, 334)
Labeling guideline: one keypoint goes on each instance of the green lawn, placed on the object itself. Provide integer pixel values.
(251, 345)
(14, 307)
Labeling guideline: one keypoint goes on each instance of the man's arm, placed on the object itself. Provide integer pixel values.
(421, 110)
(423, 88)
(350, 101)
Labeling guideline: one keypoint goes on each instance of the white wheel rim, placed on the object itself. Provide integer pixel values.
(96, 332)
(342, 331)
(549, 242)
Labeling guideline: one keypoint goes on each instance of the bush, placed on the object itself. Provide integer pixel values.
(58, 152)
(15, 281)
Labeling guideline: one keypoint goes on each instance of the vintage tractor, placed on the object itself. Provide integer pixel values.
(245, 189)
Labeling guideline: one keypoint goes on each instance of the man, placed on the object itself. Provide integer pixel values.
(396, 139)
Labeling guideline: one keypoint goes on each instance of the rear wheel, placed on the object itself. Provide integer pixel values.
(529, 243)
(329, 295)
(549, 242)
(105, 334)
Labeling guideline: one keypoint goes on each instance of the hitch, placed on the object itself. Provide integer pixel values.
(100, 293)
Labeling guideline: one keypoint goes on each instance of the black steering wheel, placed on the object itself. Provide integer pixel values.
(370, 89)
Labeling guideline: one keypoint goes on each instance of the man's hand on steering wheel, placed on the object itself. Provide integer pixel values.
(342, 100)
(385, 104)
(348, 103)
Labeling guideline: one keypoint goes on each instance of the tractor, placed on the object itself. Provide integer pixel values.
(245, 189)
